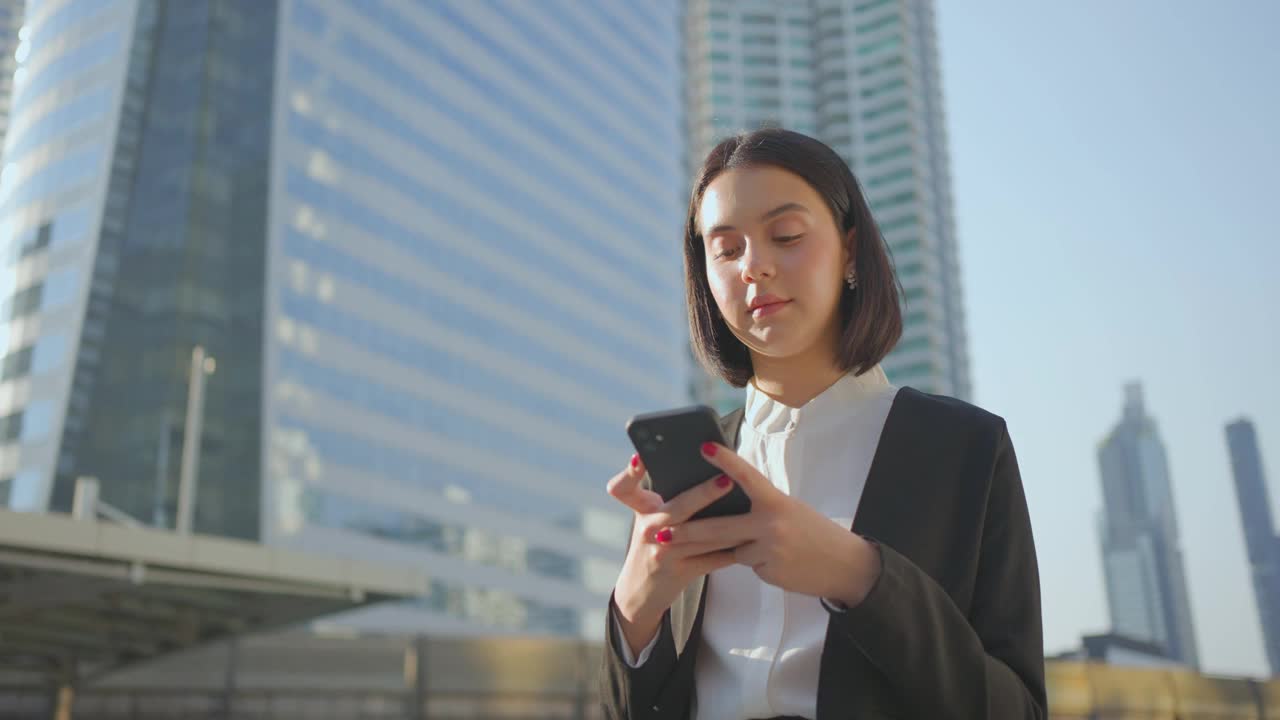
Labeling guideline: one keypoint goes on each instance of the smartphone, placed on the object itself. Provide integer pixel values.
(670, 444)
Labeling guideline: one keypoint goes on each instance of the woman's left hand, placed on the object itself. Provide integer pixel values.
(787, 543)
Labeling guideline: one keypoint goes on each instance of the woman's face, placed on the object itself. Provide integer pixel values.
(775, 261)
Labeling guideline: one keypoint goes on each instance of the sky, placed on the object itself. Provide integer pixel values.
(1116, 168)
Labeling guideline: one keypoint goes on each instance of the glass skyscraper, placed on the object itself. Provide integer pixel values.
(433, 249)
(1141, 554)
(1261, 542)
(863, 77)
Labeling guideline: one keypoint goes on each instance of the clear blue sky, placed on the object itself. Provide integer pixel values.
(1117, 176)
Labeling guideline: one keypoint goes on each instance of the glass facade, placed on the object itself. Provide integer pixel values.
(179, 263)
(66, 92)
(433, 249)
(475, 281)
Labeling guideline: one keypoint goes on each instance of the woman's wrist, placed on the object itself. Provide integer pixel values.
(638, 627)
(632, 611)
(863, 562)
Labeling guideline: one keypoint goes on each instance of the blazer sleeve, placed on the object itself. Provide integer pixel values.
(632, 693)
(989, 664)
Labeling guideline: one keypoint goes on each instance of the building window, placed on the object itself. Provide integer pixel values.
(801, 63)
(15, 364)
(885, 110)
(10, 427)
(905, 246)
(832, 52)
(834, 76)
(890, 131)
(889, 43)
(911, 269)
(879, 24)
(914, 293)
(892, 177)
(891, 154)
(757, 19)
(24, 302)
(894, 200)
(758, 39)
(759, 60)
(871, 5)
(761, 82)
(883, 88)
(898, 224)
(719, 56)
(882, 65)
(914, 369)
(39, 241)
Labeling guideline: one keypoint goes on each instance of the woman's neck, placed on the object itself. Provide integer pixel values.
(794, 381)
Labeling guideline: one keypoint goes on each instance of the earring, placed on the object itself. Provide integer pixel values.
(851, 279)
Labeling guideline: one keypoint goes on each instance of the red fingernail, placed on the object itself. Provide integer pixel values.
(635, 461)
(709, 449)
(663, 536)
(724, 481)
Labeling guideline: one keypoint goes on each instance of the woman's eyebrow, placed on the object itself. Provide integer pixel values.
(784, 208)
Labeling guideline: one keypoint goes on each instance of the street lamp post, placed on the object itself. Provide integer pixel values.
(201, 365)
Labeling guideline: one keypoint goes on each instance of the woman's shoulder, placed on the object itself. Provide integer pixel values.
(945, 413)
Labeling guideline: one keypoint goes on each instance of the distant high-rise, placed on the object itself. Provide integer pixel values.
(1146, 582)
(432, 248)
(863, 77)
(1259, 532)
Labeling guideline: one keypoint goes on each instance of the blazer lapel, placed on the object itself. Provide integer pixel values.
(878, 492)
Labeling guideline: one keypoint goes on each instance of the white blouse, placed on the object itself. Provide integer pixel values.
(761, 647)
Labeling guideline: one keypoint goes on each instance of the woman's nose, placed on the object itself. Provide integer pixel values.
(757, 264)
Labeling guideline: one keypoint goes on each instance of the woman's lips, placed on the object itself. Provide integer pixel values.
(769, 309)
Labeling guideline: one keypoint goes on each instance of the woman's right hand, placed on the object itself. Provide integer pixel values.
(654, 573)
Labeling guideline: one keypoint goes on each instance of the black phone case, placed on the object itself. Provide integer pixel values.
(670, 444)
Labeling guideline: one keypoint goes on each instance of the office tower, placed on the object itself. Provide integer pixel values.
(863, 77)
(1260, 538)
(431, 250)
(1146, 581)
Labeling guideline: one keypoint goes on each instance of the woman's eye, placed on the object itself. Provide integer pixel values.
(788, 238)
(726, 253)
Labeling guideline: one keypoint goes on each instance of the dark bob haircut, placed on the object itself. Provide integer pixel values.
(870, 316)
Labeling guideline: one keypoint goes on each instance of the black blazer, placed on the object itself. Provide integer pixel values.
(952, 627)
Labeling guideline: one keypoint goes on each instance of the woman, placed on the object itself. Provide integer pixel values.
(886, 569)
